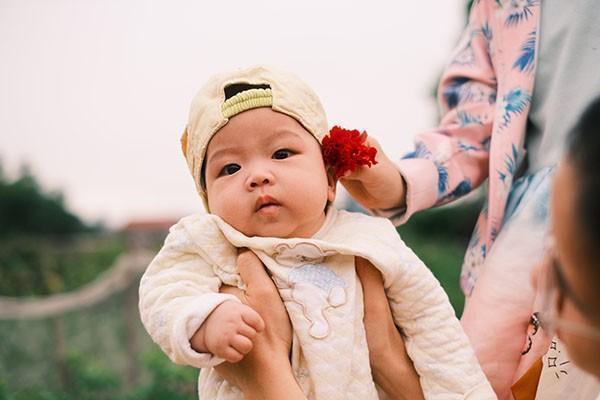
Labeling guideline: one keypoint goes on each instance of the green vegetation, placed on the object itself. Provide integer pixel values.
(439, 237)
(44, 248)
(37, 266)
(27, 210)
(88, 380)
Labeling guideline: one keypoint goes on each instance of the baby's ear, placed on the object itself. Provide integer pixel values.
(331, 185)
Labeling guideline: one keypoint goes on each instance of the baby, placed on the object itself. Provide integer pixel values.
(253, 146)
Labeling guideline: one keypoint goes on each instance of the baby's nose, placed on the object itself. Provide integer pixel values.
(259, 181)
(259, 178)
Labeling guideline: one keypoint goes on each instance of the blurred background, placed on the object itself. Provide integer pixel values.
(93, 98)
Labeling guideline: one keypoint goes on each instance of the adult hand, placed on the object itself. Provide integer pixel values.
(391, 366)
(265, 372)
(380, 186)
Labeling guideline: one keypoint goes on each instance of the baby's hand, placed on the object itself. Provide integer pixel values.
(228, 332)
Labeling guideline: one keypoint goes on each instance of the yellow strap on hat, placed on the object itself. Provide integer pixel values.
(246, 100)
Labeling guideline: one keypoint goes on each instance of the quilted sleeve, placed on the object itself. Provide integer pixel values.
(177, 292)
(436, 342)
(452, 159)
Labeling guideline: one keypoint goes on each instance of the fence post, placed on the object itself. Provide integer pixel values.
(58, 330)
(131, 316)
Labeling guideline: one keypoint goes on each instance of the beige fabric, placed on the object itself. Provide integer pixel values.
(317, 281)
(290, 95)
(562, 379)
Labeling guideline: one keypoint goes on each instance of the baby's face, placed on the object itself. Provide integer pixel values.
(265, 176)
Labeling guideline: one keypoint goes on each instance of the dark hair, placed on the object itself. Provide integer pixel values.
(584, 155)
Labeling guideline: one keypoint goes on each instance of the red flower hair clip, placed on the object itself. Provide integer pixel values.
(345, 150)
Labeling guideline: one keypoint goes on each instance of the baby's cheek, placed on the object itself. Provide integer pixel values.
(233, 215)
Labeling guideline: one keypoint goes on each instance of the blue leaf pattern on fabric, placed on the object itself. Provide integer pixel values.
(462, 146)
(420, 151)
(442, 178)
(486, 32)
(510, 162)
(464, 119)
(494, 233)
(463, 188)
(517, 191)
(525, 61)
(514, 102)
(485, 143)
(456, 92)
(519, 10)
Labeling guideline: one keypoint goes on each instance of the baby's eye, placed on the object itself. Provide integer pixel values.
(230, 169)
(282, 154)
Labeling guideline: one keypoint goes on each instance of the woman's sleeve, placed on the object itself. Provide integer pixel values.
(177, 293)
(452, 159)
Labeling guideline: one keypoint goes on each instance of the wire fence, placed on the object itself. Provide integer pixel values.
(87, 343)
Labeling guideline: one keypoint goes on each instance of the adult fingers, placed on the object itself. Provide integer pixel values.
(262, 295)
(250, 267)
(371, 141)
(258, 284)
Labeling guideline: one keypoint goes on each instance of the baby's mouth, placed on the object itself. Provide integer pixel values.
(266, 203)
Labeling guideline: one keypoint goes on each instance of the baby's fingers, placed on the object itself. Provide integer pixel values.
(241, 344)
(230, 354)
(247, 331)
(253, 319)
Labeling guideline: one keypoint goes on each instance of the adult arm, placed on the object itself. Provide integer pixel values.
(452, 159)
(265, 372)
(392, 369)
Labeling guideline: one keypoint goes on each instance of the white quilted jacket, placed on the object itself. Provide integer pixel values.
(318, 283)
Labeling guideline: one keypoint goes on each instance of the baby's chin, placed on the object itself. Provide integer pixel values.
(276, 230)
(273, 233)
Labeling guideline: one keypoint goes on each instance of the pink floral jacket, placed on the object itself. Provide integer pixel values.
(485, 94)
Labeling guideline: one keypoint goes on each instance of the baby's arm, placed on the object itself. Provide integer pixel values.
(228, 332)
(178, 292)
(439, 348)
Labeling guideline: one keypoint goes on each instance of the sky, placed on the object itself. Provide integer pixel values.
(94, 95)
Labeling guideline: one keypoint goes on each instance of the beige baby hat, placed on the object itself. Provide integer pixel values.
(261, 86)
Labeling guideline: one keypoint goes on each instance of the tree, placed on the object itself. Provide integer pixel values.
(25, 209)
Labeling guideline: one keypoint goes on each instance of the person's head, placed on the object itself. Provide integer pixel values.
(574, 264)
(253, 146)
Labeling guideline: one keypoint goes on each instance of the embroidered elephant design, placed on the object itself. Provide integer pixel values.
(315, 288)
